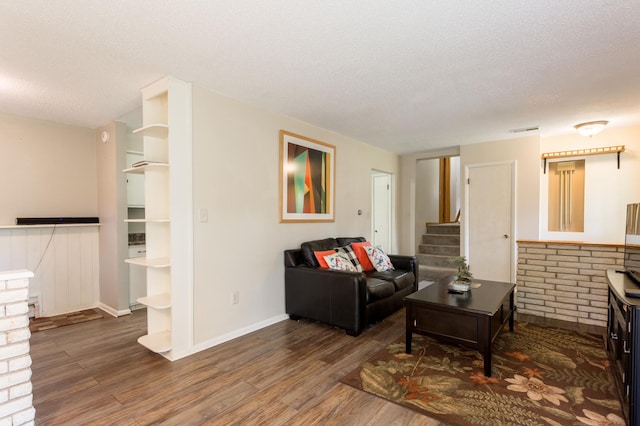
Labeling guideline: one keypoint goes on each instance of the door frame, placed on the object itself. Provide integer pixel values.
(390, 211)
(512, 225)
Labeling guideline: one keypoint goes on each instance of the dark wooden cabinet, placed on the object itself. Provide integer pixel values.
(622, 342)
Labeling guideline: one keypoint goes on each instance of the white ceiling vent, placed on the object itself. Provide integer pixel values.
(525, 129)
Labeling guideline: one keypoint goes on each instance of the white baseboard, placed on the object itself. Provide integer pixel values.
(231, 335)
(113, 312)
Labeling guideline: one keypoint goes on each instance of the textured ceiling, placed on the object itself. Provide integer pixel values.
(406, 76)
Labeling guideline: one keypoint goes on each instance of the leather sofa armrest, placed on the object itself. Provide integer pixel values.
(408, 263)
(334, 297)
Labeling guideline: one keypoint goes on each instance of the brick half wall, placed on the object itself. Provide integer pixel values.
(16, 399)
(566, 280)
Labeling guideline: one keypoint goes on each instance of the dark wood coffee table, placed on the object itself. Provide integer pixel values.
(472, 319)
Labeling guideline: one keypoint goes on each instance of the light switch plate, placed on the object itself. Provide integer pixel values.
(204, 215)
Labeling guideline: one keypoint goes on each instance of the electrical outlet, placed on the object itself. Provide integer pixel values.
(236, 297)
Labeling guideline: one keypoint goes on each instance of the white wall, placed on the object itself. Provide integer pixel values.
(64, 260)
(526, 154)
(427, 195)
(112, 210)
(455, 187)
(407, 196)
(236, 178)
(427, 190)
(48, 169)
(607, 189)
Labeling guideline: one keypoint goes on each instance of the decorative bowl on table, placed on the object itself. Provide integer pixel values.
(459, 286)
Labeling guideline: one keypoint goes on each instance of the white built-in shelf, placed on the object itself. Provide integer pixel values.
(159, 262)
(156, 301)
(147, 167)
(157, 342)
(154, 130)
(147, 220)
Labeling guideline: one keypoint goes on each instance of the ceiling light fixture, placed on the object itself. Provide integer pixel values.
(591, 128)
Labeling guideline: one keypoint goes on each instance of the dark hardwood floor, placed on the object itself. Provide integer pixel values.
(288, 373)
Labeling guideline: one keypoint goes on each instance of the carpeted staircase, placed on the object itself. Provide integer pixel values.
(439, 244)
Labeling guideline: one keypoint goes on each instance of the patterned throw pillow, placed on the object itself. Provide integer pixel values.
(362, 256)
(379, 259)
(351, 255)
(320, 257)
(339, 262)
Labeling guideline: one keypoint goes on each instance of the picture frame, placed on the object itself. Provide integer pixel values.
(307, 179)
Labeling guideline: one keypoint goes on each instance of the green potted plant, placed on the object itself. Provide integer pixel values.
(464, 276)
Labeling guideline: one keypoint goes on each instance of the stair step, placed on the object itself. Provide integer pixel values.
(444, 228)
(433, 260)
(434, 273)
(441, 240)
(439, 244)
(442, 250)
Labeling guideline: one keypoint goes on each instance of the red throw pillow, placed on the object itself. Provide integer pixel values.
(320, 256)
(362, 256)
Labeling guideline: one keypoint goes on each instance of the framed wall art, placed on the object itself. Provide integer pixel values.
(307, 179)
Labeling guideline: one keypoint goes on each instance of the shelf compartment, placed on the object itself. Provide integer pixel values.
(154, 130)
(159, 262)
(147, 167)
(157, 342)
(156, 301)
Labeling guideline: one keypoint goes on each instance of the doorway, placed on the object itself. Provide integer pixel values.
(381, 209)
(490, 225)
(430, 197)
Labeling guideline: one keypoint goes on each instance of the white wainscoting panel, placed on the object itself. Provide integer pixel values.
(64, 260)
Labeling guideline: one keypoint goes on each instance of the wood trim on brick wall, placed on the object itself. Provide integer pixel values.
(569, 243)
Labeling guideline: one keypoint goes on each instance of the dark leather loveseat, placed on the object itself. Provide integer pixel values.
(349, 300)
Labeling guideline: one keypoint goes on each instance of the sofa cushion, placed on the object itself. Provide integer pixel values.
(378, 289)
(401, 279)
(316, 245)
(351, 255)
(340, 262)
(378, 258)
(404, 280)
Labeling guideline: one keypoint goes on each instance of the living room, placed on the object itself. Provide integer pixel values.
(234, 170)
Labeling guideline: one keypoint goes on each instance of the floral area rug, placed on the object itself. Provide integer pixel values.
(540, 376)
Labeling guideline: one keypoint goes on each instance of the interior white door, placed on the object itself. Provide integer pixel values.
(381, 220)
(490, 226)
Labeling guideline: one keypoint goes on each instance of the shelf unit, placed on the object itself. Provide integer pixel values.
(145, 168)
(162, 262)
(166, 133)
(156, 130)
